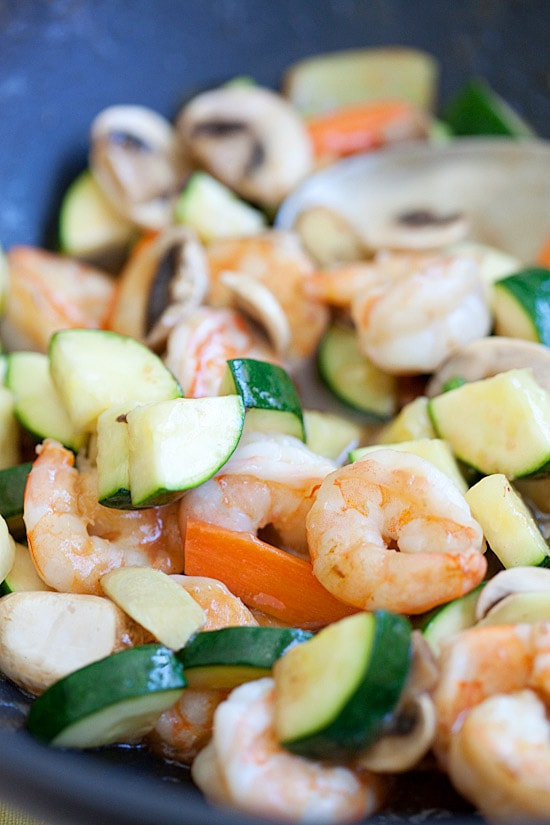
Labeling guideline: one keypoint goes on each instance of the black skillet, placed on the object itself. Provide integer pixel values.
(61, 61)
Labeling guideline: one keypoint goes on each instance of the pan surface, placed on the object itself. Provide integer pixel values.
(61, 61)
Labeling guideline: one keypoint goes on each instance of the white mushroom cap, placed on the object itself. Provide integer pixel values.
(248, 137)
(138, 161)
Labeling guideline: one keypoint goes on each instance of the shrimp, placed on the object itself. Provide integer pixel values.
(392, 531)
(74, 540)
(411, 323)
(186, 727)
(277, 260)
(269, 480)
(199, 346)
(245, 767)
(48, 292)
(493, 730)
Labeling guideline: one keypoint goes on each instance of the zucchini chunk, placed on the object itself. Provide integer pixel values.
(154, 600)
(89, 226)
(22, 575)
(112, 458)
(177, 444)
(331, 435)
(214, 211)
(38, 406)
(478, 110)
(450, 618)
(507, 523)
(521, 305)
(229, 656)
(94, 369)
(269, 396)
(499, 424)
(334, 692)
(117, 699)
(352, 378)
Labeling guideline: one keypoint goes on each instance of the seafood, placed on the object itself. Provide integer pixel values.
(392, 531)
(276, 259)
(243, 766)
(269, 480)
(74, 540)
(412, 323)
(48, 292)
(199, 346)
(493, 728)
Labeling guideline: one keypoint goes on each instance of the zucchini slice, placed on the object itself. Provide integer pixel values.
(269, 396)
(94, 369)
(177, 444)
(117, 699)
(331, 435)
(23, 575)
(499, 424)
(38, 406)
(352, 378)
(450, 618)
(521, 305)
(335, 692)
(507, 523)
(214, 211)
(12, 494)
(229, 656)
(112, 458)
(478, 110)
(89, 226)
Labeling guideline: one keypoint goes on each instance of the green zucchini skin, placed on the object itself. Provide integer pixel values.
(220, 657)
(124, 676)
(12, 494)
(531, 289)
(363, 715)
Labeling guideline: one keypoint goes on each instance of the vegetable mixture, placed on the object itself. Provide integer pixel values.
(298, 602)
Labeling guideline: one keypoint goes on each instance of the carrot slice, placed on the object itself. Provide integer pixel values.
(263, 576)
(360, 128)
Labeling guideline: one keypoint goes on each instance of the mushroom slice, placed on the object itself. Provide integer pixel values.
(422, 228)
(258, 301)
(248, 137)
(165, 279)
(328, 238)
(137, 159)
(500, 187)
(511, 581)
(489, 356)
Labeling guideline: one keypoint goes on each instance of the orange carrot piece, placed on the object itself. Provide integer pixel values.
(263, 576)
(362, 127)
(543, 258)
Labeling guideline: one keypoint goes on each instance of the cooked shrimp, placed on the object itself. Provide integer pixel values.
(484, 661)
(245, 767)
(199, 346)
(276, 259)
(269, 480)
(48, 292)
(221, 607)
(186, 727)
(392, 531)
(493, 731)
(410, 324)
(74, 540)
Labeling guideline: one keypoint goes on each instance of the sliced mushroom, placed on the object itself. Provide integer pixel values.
(328, 238)
(44, 635)
(139, 163)
(258, 301)
(511, 581)
(500, 187)
(164, 280)
(250, 138)
(407, 742)
(422, 228)
(489, 356)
